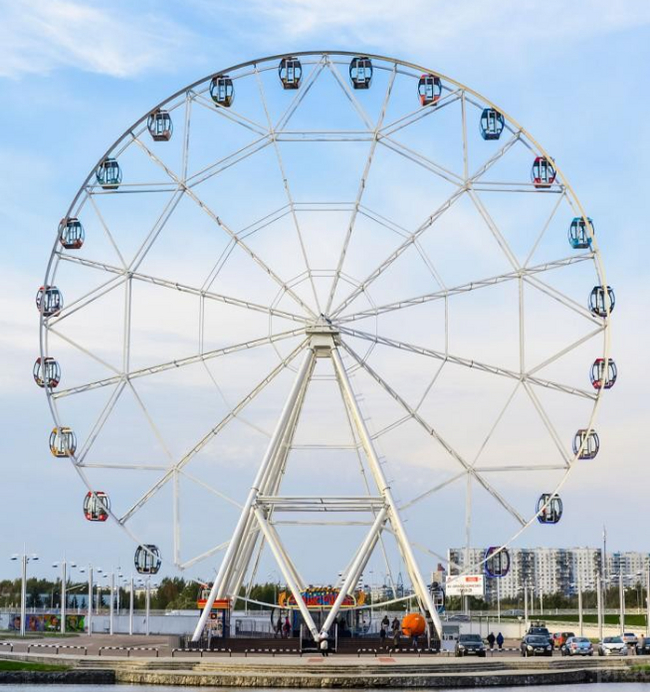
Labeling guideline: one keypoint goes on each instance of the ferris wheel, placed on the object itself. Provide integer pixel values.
(324, 285)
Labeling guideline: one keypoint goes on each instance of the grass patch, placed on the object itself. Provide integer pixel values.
(641, 667)
(632, 620)
(26, 665)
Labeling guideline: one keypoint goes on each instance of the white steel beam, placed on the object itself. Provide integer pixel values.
(382, 485)
(227, 564)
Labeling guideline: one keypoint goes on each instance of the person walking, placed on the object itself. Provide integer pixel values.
(324, 645)
(500, 641)
(287, 628)
(278, 627)
(382, 636)
(385, 623)
(490, 640)
(396, 633)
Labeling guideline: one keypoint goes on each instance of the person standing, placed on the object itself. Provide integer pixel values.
(490, 640)
(500, 641)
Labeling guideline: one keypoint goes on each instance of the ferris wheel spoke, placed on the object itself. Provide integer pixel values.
(421, 160)
(85, 351)
(300, 95)
(226, 162)
(464, 288)
(107, 231)
(203, 556)
(350, 95)
(154, 428)
(433, 490)
(208, 487)
(422, 112)
(99, 423)
(567, 349)
(225, 227)
(360, 191)
(381, 268)
(548, 424)
(212, 433)
(494, 229)
(514, 469)
(562, 298)
(91, 296)
(178, 363)
(436, 436)
(230, 114)
(561, 198)
(193, 290)
(467, 363)
(386, 263)
(287, 189)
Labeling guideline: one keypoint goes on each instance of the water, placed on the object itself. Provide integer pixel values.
(602, 687)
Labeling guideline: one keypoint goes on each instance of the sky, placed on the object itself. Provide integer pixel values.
(74, 75)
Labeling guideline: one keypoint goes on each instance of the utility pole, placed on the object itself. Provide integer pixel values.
(112, 604)
(599, 605)
(131, 606)
(621, 600)
(580, 623)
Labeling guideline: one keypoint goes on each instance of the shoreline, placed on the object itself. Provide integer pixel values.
(314, 672)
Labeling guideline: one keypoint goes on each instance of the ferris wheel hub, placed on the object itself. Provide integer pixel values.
(324, 336)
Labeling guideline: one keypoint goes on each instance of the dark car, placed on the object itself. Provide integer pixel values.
(536, 645)
(470, 645)
(643, 646)
(540, 631)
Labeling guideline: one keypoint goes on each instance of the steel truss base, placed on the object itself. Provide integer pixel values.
(255, 523)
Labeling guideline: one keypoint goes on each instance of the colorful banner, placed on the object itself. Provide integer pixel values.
(48, 623)
(321, 598)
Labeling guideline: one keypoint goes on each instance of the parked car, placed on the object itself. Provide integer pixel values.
(535, 645)
(541, 631)
(470, 645)
(643, 646)
(577, 646)
(560, 637)
(630, 638)
(612, 646)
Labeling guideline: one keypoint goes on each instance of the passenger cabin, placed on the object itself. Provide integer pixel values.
(542, 173)
(147, 559)
(290, 72)
(497, 561)
(96, 506)
(600, 298)
(586, 446)
(49, 300)
(222, 90)
(47, 372)
(109, 174)
(71, 233)
(601, 376)
(491, 124)
(581, 232)
(63, 442)
(429, 89)
(361, 72)
(549, 509)
(160, 126)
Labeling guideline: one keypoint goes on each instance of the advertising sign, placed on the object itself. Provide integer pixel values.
(465, 585)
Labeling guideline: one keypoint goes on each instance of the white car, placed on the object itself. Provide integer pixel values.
(612, 646)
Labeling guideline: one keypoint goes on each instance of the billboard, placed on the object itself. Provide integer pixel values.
(465, 585)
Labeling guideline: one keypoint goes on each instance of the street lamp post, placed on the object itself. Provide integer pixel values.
(89, 616)
(647, 600)
(131, 605)
(24, 559)
(599, 605)
(621, 601)
(64, 584)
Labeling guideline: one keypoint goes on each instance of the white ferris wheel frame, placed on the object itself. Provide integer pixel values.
(324, 336)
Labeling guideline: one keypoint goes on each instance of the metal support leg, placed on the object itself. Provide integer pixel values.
(402, 540)
(357, 567)
(230, 558)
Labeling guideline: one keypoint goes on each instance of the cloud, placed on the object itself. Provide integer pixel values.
(39, 36)
(434, 24)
